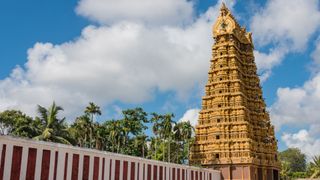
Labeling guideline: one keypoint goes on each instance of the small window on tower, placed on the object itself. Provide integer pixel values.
(220, 92)
(221, 66)
(217, 137)
(217, 156)
(218, 120)
(220, 79)
(219, 105)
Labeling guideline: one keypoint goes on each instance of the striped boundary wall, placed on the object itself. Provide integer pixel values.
(22, 159)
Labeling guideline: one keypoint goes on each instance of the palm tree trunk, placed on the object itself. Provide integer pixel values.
(169, 147)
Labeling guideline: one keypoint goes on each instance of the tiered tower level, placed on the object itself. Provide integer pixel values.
(234, 133)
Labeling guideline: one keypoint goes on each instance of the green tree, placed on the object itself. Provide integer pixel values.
(295, 158)
(16, 123)
(315, 167)
(92, 109)
(52, 129)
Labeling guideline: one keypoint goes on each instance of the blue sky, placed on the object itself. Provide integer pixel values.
(156, 55)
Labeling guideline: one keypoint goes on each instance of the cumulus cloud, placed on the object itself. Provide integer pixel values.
(297, 106)
(191, 115)
(126, 61)
(286, 22)
(287, 26)
(155, 12)
(303, 140)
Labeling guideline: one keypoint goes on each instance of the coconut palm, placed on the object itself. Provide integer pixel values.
(92, 110)
(315, 167)
(52, 128)
(167, 126)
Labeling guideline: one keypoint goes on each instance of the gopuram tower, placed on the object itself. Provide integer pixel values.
(234, 133)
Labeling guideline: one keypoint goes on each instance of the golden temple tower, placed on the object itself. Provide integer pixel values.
(234, 133)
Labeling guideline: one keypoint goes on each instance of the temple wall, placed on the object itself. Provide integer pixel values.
(27, 159)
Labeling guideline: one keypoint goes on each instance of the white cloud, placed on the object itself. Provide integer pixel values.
(303, 140)
(155, 12)
(286, 22)
(286, 26)
(191, 115)
(124, 62)
(266, 61)
(298, 106)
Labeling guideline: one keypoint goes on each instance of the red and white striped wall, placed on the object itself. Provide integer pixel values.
(22, 159)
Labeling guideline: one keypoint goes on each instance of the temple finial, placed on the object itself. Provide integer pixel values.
(223, 10)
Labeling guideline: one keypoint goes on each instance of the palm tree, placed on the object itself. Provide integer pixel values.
(167, 130)
(315, 167)
(92, 110)
(186, 132)
(52, 128)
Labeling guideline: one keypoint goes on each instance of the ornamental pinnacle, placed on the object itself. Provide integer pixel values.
(234, 133)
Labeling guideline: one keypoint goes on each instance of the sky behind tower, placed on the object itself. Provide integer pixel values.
(121, 54)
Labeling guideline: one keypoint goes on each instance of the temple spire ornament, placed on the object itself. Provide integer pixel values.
(234, 133)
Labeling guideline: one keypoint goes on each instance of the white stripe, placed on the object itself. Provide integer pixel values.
(121, 169)
(91, 165)
(113, 168)
(100, 168)
(176, 173)
(163, 172)
(107, 169)
(80, 166)
(61, 162)
(38, 163)
(167, 173)
(129, 170)
(146, 171)
(151, 171)
(140, 170)
(52, 161)
(136, 170)
(8, 161)
(24, 162)
(69, 170)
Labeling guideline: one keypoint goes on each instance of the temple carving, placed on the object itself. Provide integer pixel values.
(234, 133)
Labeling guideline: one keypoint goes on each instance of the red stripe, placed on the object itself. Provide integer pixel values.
(96, 168)
(45, 165)
(192, 175)
(103, 166)
(210, 176)
(178, 172)
(55, 166)
(110, 169)
(173, 173)
(125, 170)
(3, 157)
(155, 172)
(75, 167)
(138, 171)
(65, 167)
(31, 165)
(117, 170)
(196, 175)
(149, 172)
(86, 165)
(161, 173)
(183, 174)
(16, 163)
(133, 173)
